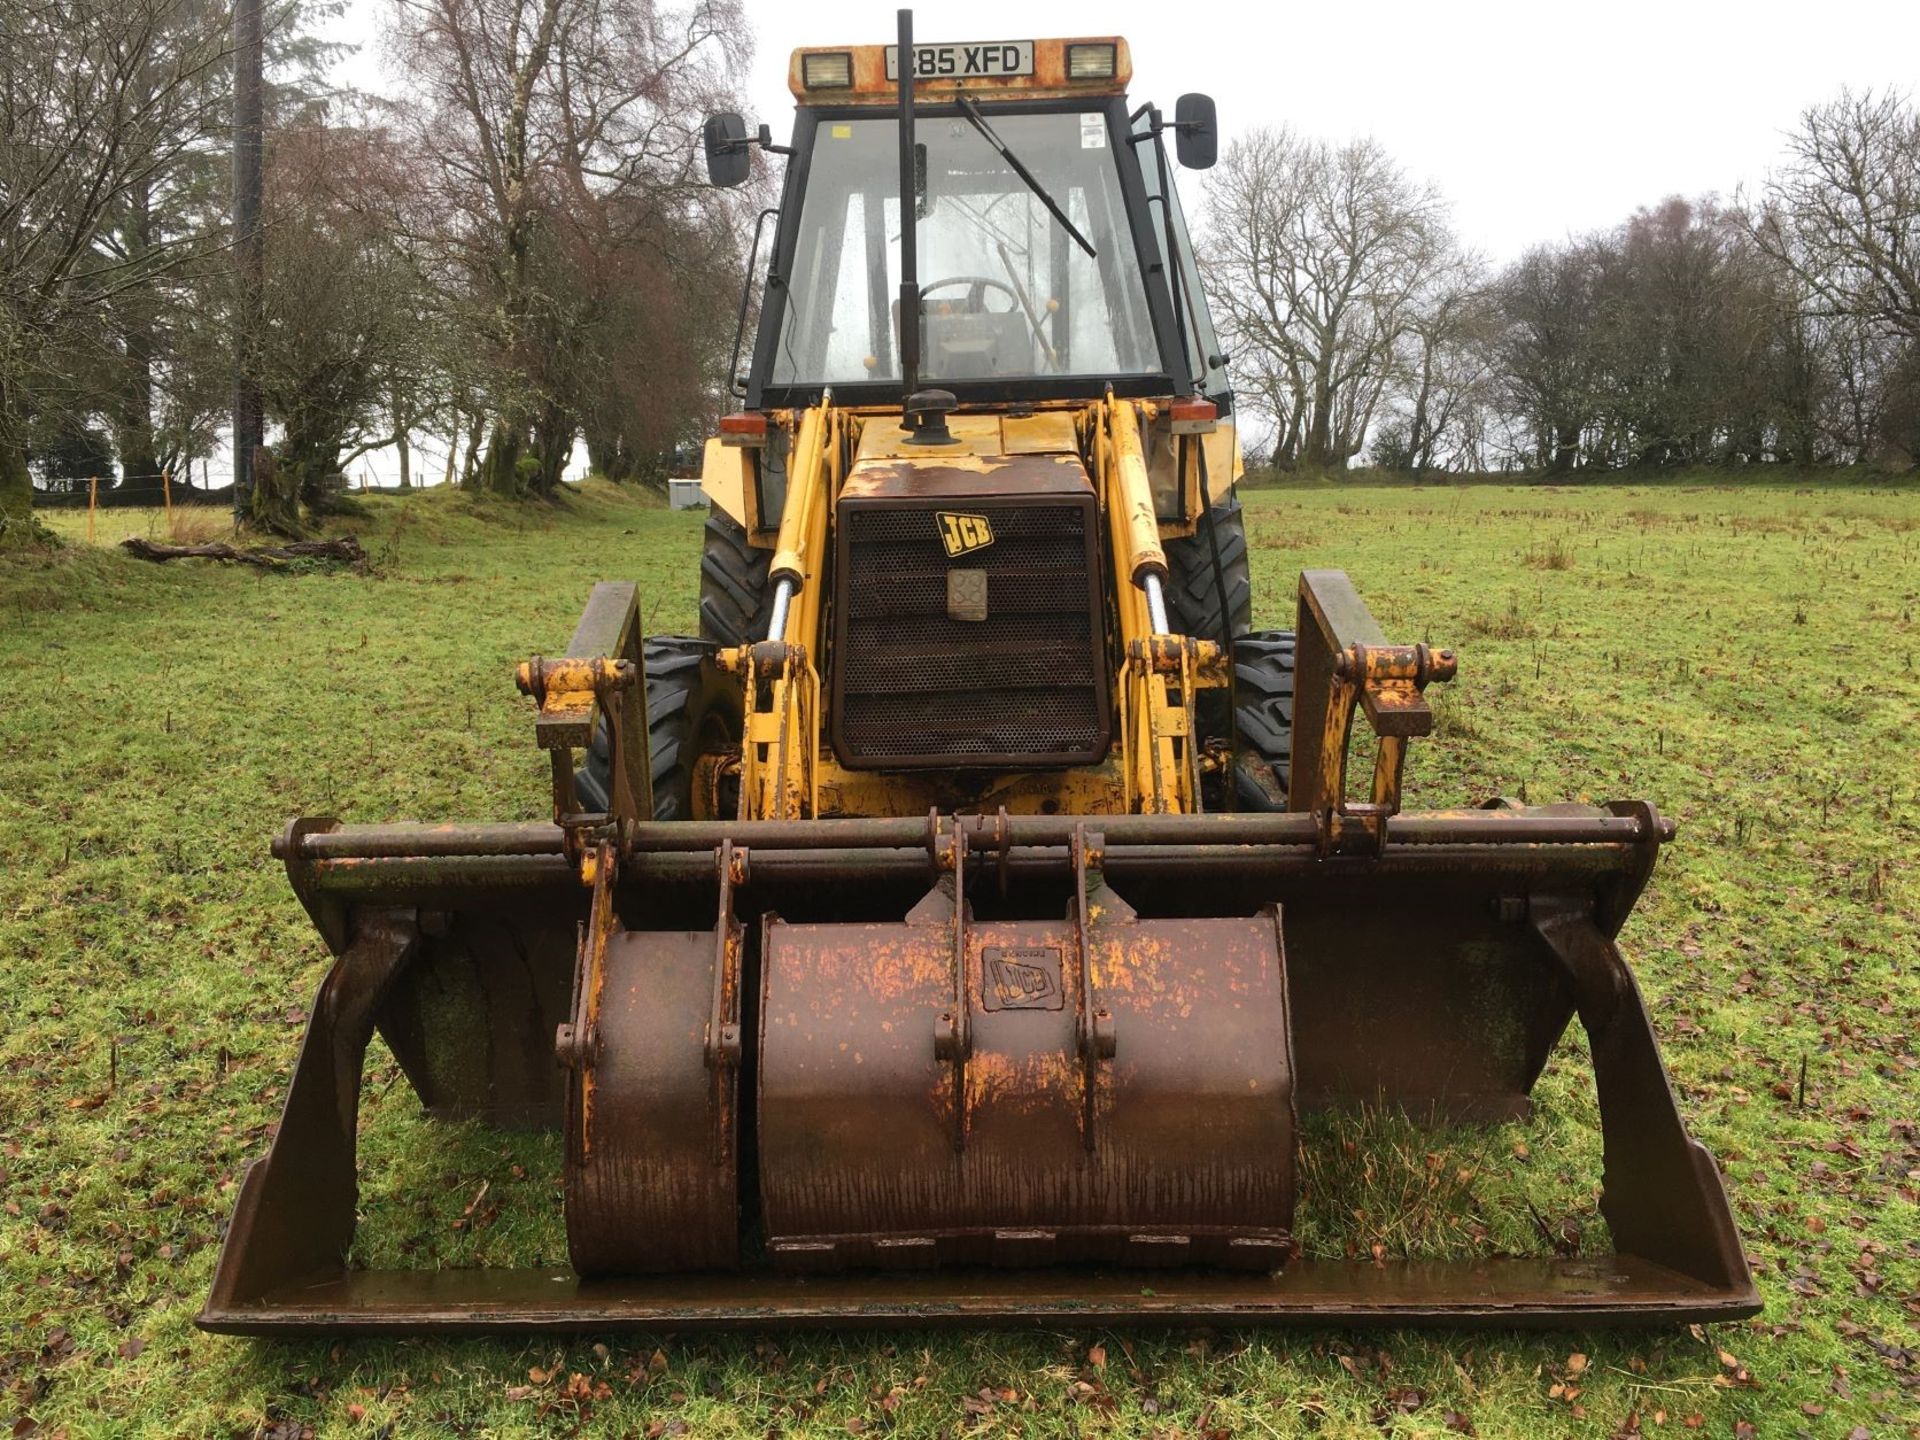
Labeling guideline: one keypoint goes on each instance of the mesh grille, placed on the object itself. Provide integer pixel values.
(917, 686)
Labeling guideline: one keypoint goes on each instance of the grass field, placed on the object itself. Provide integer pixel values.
(1744, 656)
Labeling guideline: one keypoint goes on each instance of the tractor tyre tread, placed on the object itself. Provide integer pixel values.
(735, 599)
(1193, 597)
(675, 678)
(1263, 717)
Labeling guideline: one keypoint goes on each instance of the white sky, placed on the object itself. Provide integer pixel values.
(1537, 119)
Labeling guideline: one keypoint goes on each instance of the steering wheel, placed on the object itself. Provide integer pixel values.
(977, 287)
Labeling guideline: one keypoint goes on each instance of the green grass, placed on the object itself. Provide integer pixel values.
(1743, 655)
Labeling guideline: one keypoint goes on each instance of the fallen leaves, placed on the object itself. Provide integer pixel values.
(651, 1368)
(1401, 1400)
(1566, 1387)
(985, 1403)
(1733, 1374)
(469, 1219)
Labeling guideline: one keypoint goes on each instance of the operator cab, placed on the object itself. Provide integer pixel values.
(1041, 230)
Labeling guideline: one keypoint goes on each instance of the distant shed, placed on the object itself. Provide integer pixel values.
(685, 495)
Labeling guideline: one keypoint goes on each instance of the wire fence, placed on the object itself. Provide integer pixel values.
(106, 493)
(105, 510)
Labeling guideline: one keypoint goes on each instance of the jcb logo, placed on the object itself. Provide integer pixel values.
(962, 533)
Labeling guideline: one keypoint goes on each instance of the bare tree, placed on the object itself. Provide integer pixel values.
(1441, 381)
(1315, 254)
(345, 324)
(1546, 350)
(1843, 214)
(553, 124)
(172, 371)
(1685, 304)
(97, 97)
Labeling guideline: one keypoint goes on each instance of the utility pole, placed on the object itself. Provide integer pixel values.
(249, 427)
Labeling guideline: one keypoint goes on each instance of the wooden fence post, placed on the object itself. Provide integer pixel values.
(166, 497)
(93, 502)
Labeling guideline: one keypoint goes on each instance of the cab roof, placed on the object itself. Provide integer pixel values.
(986, 70)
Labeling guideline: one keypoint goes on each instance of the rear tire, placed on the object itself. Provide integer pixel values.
(684, 708)
(1193, 595)
(735, 599)
(1263, 718)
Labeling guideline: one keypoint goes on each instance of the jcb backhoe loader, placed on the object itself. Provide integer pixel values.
(953, 932)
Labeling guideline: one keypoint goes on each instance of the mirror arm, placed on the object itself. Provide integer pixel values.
(764, 139)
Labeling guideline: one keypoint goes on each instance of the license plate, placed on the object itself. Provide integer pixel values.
(965, 62)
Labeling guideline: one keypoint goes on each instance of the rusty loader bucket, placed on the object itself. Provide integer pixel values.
(969, 1069)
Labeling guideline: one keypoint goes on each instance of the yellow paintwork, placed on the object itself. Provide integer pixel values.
(788, 769)
(781, 747)
(1045, 433)
(1225, 463)
(1130, 493)
(1080, 790)
(1225, 466)
(794, 555)
(723, 480)
(975, 434)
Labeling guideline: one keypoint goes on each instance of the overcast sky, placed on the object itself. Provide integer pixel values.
(1537, 119)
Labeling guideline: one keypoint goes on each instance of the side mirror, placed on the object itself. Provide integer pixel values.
(728, 162)
(1196, 136)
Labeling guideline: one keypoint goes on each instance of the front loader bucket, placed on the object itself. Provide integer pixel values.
(995, 1069)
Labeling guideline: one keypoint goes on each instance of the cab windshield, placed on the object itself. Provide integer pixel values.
(1006, 291)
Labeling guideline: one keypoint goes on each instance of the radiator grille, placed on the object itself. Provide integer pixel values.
(1027, 685)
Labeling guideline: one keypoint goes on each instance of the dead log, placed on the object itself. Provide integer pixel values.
(345, 551)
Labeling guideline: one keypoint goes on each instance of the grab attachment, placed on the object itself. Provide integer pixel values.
(1436, 977)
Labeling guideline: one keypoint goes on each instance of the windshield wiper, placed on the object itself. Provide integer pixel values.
(979, 122)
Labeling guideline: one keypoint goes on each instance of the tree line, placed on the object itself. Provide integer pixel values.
(515, 252)
(1778, 328)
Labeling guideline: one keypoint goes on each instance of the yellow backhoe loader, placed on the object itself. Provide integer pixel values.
(953, 932)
